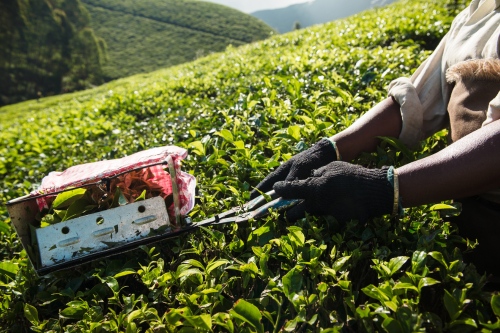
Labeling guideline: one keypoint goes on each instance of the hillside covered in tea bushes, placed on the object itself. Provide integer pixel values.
(146, 35)
(241, 113)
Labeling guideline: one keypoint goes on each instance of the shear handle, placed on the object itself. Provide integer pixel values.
(260, 200)
(256, 208)
(278, 204)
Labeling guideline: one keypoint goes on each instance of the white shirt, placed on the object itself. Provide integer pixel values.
(474, 34)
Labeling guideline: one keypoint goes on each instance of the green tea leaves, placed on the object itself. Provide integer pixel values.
(248, 313)
(292, 282)
(9, 268)
(66, 198)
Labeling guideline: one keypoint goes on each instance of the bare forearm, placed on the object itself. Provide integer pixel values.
(382, 120)
(467, 167)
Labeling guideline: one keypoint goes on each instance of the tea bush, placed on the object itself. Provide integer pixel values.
(241, 113)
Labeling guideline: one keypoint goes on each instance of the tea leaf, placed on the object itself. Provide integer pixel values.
(201, 322)
(197, 148)
(442, 206)
(292, 281)
(31, 313)
(427, 281)
(405, 285)
(9, 268)
(297, 236)
(142, 196)
(495, 304)
(248, 313)
(340, 262)
(396, 263)
(189, 272)
(76, 310)
(77, 208)
(119, 199)
(112, 283)
(294, 132)
(213, 265)
(224, 320)
(226, 135)
(462, 324)
(194, 263)
(65, 199)
(451, 305)
(4, 228)
(375, 293)
(392, 326)
(125, 272)
(439, 257)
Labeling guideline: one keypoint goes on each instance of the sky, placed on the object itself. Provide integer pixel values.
(250, 6)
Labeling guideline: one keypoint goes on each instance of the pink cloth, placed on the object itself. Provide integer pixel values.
(89, 173)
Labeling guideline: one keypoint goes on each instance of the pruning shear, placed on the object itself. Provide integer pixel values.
(254, 209)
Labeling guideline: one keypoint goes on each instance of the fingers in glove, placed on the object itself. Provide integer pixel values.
(299, 171)
(296, 212)
(267, 184)
(318, 156)
(296, 189)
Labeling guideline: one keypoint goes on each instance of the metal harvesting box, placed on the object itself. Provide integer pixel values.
(116, 223)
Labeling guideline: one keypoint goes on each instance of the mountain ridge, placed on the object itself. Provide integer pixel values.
(314, 12)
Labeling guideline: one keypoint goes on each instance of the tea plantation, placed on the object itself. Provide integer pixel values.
(146, 35)
(241, 113)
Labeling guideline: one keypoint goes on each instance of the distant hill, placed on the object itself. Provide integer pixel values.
(47, 48)
(145, 35)
(315, 12)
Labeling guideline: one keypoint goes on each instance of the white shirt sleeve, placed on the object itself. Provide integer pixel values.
(493, 112)
(420, 97)
(423, 98)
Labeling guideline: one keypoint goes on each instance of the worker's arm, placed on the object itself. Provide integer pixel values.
(467, 167)
(384, 119)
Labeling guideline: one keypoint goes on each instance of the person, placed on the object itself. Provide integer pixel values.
(456, 87)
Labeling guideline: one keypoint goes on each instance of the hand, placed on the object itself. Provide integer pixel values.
(345, 191)
(299, 166)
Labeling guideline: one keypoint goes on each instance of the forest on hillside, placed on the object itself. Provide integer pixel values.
(47, 48)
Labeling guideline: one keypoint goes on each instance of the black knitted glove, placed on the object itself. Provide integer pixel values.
(299, 166)
(345, 191)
